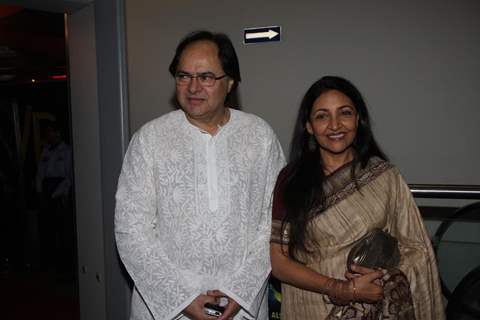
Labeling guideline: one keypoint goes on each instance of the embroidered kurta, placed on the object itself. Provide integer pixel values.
(193, 213)
(383, 201)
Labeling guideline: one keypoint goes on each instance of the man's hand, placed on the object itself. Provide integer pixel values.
(231, 309)
(195, 310)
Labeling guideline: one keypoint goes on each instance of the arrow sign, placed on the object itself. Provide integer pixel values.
(257, 35)
(263, 34)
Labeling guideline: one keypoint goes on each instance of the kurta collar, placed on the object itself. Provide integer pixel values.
(223, 129)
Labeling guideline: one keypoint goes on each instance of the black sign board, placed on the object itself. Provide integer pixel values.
(263, 34)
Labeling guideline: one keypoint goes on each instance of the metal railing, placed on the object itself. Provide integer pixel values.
(444, 191)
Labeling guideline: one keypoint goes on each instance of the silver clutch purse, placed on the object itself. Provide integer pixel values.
(376, 249)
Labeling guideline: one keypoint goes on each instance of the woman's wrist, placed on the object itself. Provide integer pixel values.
(340, 291)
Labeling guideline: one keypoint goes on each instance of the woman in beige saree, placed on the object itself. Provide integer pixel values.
(338, 186)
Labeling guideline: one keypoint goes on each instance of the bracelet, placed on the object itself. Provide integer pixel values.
(328, 289)
(336, 290)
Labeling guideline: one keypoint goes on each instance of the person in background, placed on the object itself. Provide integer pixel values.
(337, 186)
(193, 210)
(53, 185)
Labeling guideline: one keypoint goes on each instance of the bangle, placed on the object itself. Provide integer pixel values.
(328, 289)
(332, 288)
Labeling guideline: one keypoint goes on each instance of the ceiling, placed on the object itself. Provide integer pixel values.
(58, 6)
(32, 46)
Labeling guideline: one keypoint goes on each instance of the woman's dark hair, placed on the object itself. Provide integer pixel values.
(226, 53)
(302, 190)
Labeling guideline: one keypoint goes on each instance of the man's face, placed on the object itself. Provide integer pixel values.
(202, 103)
(52, 135)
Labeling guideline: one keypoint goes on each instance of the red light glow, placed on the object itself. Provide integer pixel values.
(60, 76)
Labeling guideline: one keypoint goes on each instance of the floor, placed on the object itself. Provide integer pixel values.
(38, 295)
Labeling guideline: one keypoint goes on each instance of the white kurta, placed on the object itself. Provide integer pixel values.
(193, 213)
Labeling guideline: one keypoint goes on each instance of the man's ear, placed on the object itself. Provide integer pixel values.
(230, 85)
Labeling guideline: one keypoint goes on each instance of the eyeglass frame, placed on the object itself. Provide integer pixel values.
(198, 75)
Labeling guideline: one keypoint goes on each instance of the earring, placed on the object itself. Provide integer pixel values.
(312, 143)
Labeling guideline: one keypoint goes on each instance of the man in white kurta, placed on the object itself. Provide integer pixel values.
(193, 211)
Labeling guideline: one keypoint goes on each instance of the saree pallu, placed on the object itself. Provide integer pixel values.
(378, 198)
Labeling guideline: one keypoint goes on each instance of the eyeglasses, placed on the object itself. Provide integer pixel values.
(206, 79)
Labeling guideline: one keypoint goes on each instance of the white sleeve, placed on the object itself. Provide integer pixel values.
(248, 285)
(161, 284)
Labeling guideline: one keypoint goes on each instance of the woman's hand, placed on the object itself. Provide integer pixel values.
(361, 286)
(358, 271)
(366, 284)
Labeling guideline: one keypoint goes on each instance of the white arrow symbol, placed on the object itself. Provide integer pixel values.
(269, 34)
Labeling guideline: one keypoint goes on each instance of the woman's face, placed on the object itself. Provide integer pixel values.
(333, 121)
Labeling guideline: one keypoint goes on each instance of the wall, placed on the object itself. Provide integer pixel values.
(416, 63)
(87, 163)
(100, 136)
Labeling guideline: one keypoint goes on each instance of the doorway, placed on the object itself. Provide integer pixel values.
(38, 248)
